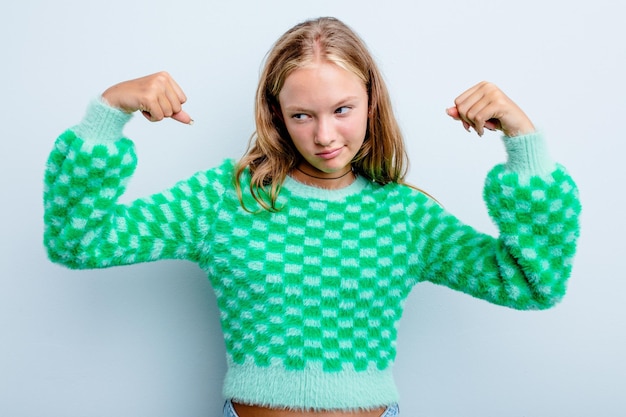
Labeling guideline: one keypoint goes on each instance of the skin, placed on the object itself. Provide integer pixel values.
(485, 106)
(157, 96)
(325, 110)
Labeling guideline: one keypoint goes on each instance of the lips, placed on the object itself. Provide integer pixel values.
(329, 154)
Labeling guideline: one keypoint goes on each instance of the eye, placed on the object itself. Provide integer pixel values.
(343, 110)
(299, 116)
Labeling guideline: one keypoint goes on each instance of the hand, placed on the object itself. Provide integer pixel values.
(485, 106)
(157, 96)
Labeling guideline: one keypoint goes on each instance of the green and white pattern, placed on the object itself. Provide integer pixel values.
(310, 296)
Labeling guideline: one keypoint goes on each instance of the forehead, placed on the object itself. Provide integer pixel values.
(321, 82)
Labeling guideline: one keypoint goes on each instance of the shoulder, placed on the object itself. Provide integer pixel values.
(395, 192)
(225, 168)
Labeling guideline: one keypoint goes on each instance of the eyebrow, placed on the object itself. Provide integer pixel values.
(299, 108)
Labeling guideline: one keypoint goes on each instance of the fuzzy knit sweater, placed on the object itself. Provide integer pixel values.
(310, 296)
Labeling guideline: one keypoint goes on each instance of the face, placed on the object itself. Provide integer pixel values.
(325, 109)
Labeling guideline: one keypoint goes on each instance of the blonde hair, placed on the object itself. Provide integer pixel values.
(271, 154)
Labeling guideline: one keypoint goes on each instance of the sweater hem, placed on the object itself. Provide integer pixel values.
(311, 388)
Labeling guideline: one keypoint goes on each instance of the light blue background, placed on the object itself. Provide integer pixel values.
(145, 340)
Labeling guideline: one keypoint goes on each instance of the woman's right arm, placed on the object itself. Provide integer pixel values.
(87, 171)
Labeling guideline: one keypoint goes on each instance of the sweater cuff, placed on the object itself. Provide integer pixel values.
(101, 123)
(528, 155)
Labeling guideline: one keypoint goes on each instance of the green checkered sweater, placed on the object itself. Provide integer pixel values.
(310, 296)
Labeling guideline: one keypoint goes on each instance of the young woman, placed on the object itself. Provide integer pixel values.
(312, 241)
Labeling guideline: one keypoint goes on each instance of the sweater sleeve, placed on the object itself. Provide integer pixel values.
(534, 203)
(86, 227)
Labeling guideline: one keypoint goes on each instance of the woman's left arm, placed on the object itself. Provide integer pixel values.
(534, 203)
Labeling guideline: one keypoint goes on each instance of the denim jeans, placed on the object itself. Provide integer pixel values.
(391, 411)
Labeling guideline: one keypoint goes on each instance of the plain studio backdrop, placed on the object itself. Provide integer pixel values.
(145, 340)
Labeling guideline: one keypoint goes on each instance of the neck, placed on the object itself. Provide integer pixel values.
(324, 181)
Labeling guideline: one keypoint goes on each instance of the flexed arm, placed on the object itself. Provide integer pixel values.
(87, 172)
(532, 200)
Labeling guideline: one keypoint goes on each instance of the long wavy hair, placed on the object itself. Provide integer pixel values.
(271, 154)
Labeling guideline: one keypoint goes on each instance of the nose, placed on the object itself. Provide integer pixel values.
(324, 132)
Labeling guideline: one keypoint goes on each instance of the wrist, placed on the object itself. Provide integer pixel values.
(524, 129)
(110, 99)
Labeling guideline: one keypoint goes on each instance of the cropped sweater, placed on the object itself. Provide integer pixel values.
(310, 296)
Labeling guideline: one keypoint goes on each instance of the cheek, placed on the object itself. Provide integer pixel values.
(355, 129)
(298, 133)
(300, 138)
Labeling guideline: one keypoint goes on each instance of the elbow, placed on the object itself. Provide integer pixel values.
(63, 259)
(61, 255)
(530, 297)
(540, 301)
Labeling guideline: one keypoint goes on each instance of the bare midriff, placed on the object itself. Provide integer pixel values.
(244, 410)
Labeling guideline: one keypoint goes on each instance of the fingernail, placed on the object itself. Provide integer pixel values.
(190, 122)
